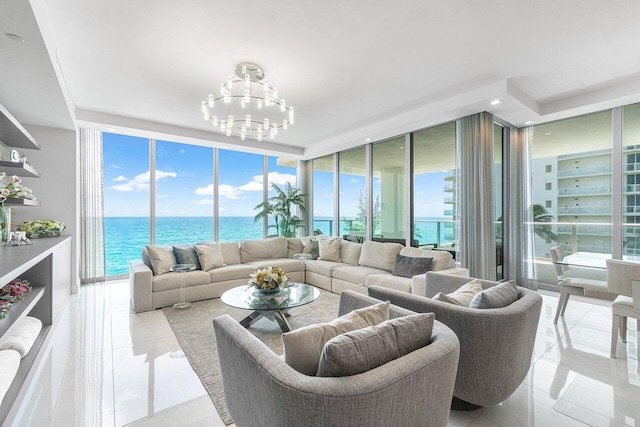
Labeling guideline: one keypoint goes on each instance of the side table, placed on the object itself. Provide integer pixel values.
(182, 268)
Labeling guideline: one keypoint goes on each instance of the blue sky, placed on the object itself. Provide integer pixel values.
(184, 182)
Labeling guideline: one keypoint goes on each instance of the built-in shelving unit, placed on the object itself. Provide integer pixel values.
(13, 134)
(21, 202)
(19, 169)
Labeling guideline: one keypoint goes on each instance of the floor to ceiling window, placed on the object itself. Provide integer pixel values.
(434, 189)
(126, 200)
(184, 207)
(571, 188)
(323, 197)
(389, 190)
(353, 195)
(631, 180)
(240, 190)
(498, 143)
(281, 172)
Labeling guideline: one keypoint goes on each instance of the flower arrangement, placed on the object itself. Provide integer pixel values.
(14, 189)
(11, 293)
(268, 279)
(42, 228)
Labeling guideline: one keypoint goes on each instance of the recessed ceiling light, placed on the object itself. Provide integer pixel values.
(496, 102)
(528, 122)
(14, 37)
(368, 139)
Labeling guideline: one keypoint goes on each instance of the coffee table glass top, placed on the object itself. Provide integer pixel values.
(248, 298)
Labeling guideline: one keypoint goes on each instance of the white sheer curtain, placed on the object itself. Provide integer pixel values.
(475, 201)
(92, 263)
(520, 260)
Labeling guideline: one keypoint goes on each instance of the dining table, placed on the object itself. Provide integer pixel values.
(592, 260)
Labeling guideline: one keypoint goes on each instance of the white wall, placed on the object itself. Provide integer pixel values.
(57, 188)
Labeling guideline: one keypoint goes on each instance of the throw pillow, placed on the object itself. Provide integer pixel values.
(186, 254)
(406, 266)
(461, 296)
(210, 256)
(161, 259)
(330, 249)
(310, 246)
(365, 349)
(497, 296)
(379, 255)
(302, 347)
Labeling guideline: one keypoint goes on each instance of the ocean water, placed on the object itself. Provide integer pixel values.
(126, 236)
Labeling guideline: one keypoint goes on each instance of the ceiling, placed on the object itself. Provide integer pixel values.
(353, 70)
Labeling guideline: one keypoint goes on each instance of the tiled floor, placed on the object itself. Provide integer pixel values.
(105, 366)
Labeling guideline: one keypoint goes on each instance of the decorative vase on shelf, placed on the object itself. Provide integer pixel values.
(5, 223)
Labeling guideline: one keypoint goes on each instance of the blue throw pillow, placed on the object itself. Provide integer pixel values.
(186, 254)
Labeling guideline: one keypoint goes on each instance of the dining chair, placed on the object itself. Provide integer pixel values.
(623, 278)
(568, 285)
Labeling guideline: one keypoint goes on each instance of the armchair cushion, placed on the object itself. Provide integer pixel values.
(463, 295)
(406, 266)
(361, 350)
(303, 347)
(497, 296)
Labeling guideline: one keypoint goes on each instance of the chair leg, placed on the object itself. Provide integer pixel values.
(564, 306)
(615, 327)
(623, 329)
(561, 304)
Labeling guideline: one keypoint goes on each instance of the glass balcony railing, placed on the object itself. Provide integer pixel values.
(449, 200)
(585, 230)
(584, 154)
(600, 170)
(631, 167)
(632, 188)
(449, 175)
(580, 191)
(450, 187)
(449, 212)
(585, 210)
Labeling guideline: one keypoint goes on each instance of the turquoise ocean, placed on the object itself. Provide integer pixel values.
(126, 236)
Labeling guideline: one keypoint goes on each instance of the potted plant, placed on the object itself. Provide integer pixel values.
(281, 207)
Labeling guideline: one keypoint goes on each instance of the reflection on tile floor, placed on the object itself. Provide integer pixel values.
(106, 366)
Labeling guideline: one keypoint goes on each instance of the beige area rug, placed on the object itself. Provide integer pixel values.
(194, 329)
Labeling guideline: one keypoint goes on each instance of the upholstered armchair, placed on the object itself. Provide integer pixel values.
(496, 345)
(261, 389)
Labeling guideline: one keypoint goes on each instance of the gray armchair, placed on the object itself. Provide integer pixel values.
(260, 389)
(496, 345)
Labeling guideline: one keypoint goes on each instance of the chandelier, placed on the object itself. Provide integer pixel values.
(248, 106)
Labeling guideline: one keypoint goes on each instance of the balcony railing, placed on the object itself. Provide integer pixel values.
(631, 167)
(585, 230)
(585, 154)
(449, 200)
(585, 210)
(450, 187)
(632, 188)
(580, 191)
(600, 170)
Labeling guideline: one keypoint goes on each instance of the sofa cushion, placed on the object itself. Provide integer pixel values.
(497, 296)
(461, 296)
(330, 249)
(379, 255)
(210, 256)
(253, 250)
(172, 281)
(145, 258)
(406, 266)
(311, 246)
(294, 246)
(350, 252)
(303, 346)
(162, 258)
(361, 350)
(355, 274)
(389, 281)
(287, 264)
(231, 272)
(186, 254)
(324, 268)
(441, 259)
(230, 251)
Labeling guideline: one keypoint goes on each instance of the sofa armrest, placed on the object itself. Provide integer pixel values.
(419, 282)
(442, 281)
(351, 300)
(140, 286)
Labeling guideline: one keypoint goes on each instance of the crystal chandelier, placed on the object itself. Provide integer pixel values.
(248, 106)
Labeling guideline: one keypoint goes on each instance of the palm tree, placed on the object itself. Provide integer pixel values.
(280, 207)
(540, 214)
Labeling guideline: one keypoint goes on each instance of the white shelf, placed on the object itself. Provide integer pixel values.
(13, 134)
(21, 202)
(19, 169)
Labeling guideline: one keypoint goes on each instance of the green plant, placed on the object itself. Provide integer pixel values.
(280, 207)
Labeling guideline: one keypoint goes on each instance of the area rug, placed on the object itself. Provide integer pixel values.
(194, 329)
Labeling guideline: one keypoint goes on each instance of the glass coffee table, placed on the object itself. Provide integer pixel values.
(273, 306)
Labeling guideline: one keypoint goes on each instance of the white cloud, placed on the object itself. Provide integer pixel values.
(281, 178)
(230, 192)
(329, 196)
(162, 196)
(255, 185)
(353, 180)
(141, 182)
(203, 202)
(114, 166)
(205, 191)
(120, 178)
(182, 151)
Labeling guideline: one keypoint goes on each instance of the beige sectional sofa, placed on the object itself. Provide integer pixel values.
(356, 267)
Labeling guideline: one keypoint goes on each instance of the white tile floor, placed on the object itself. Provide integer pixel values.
(105, 366)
